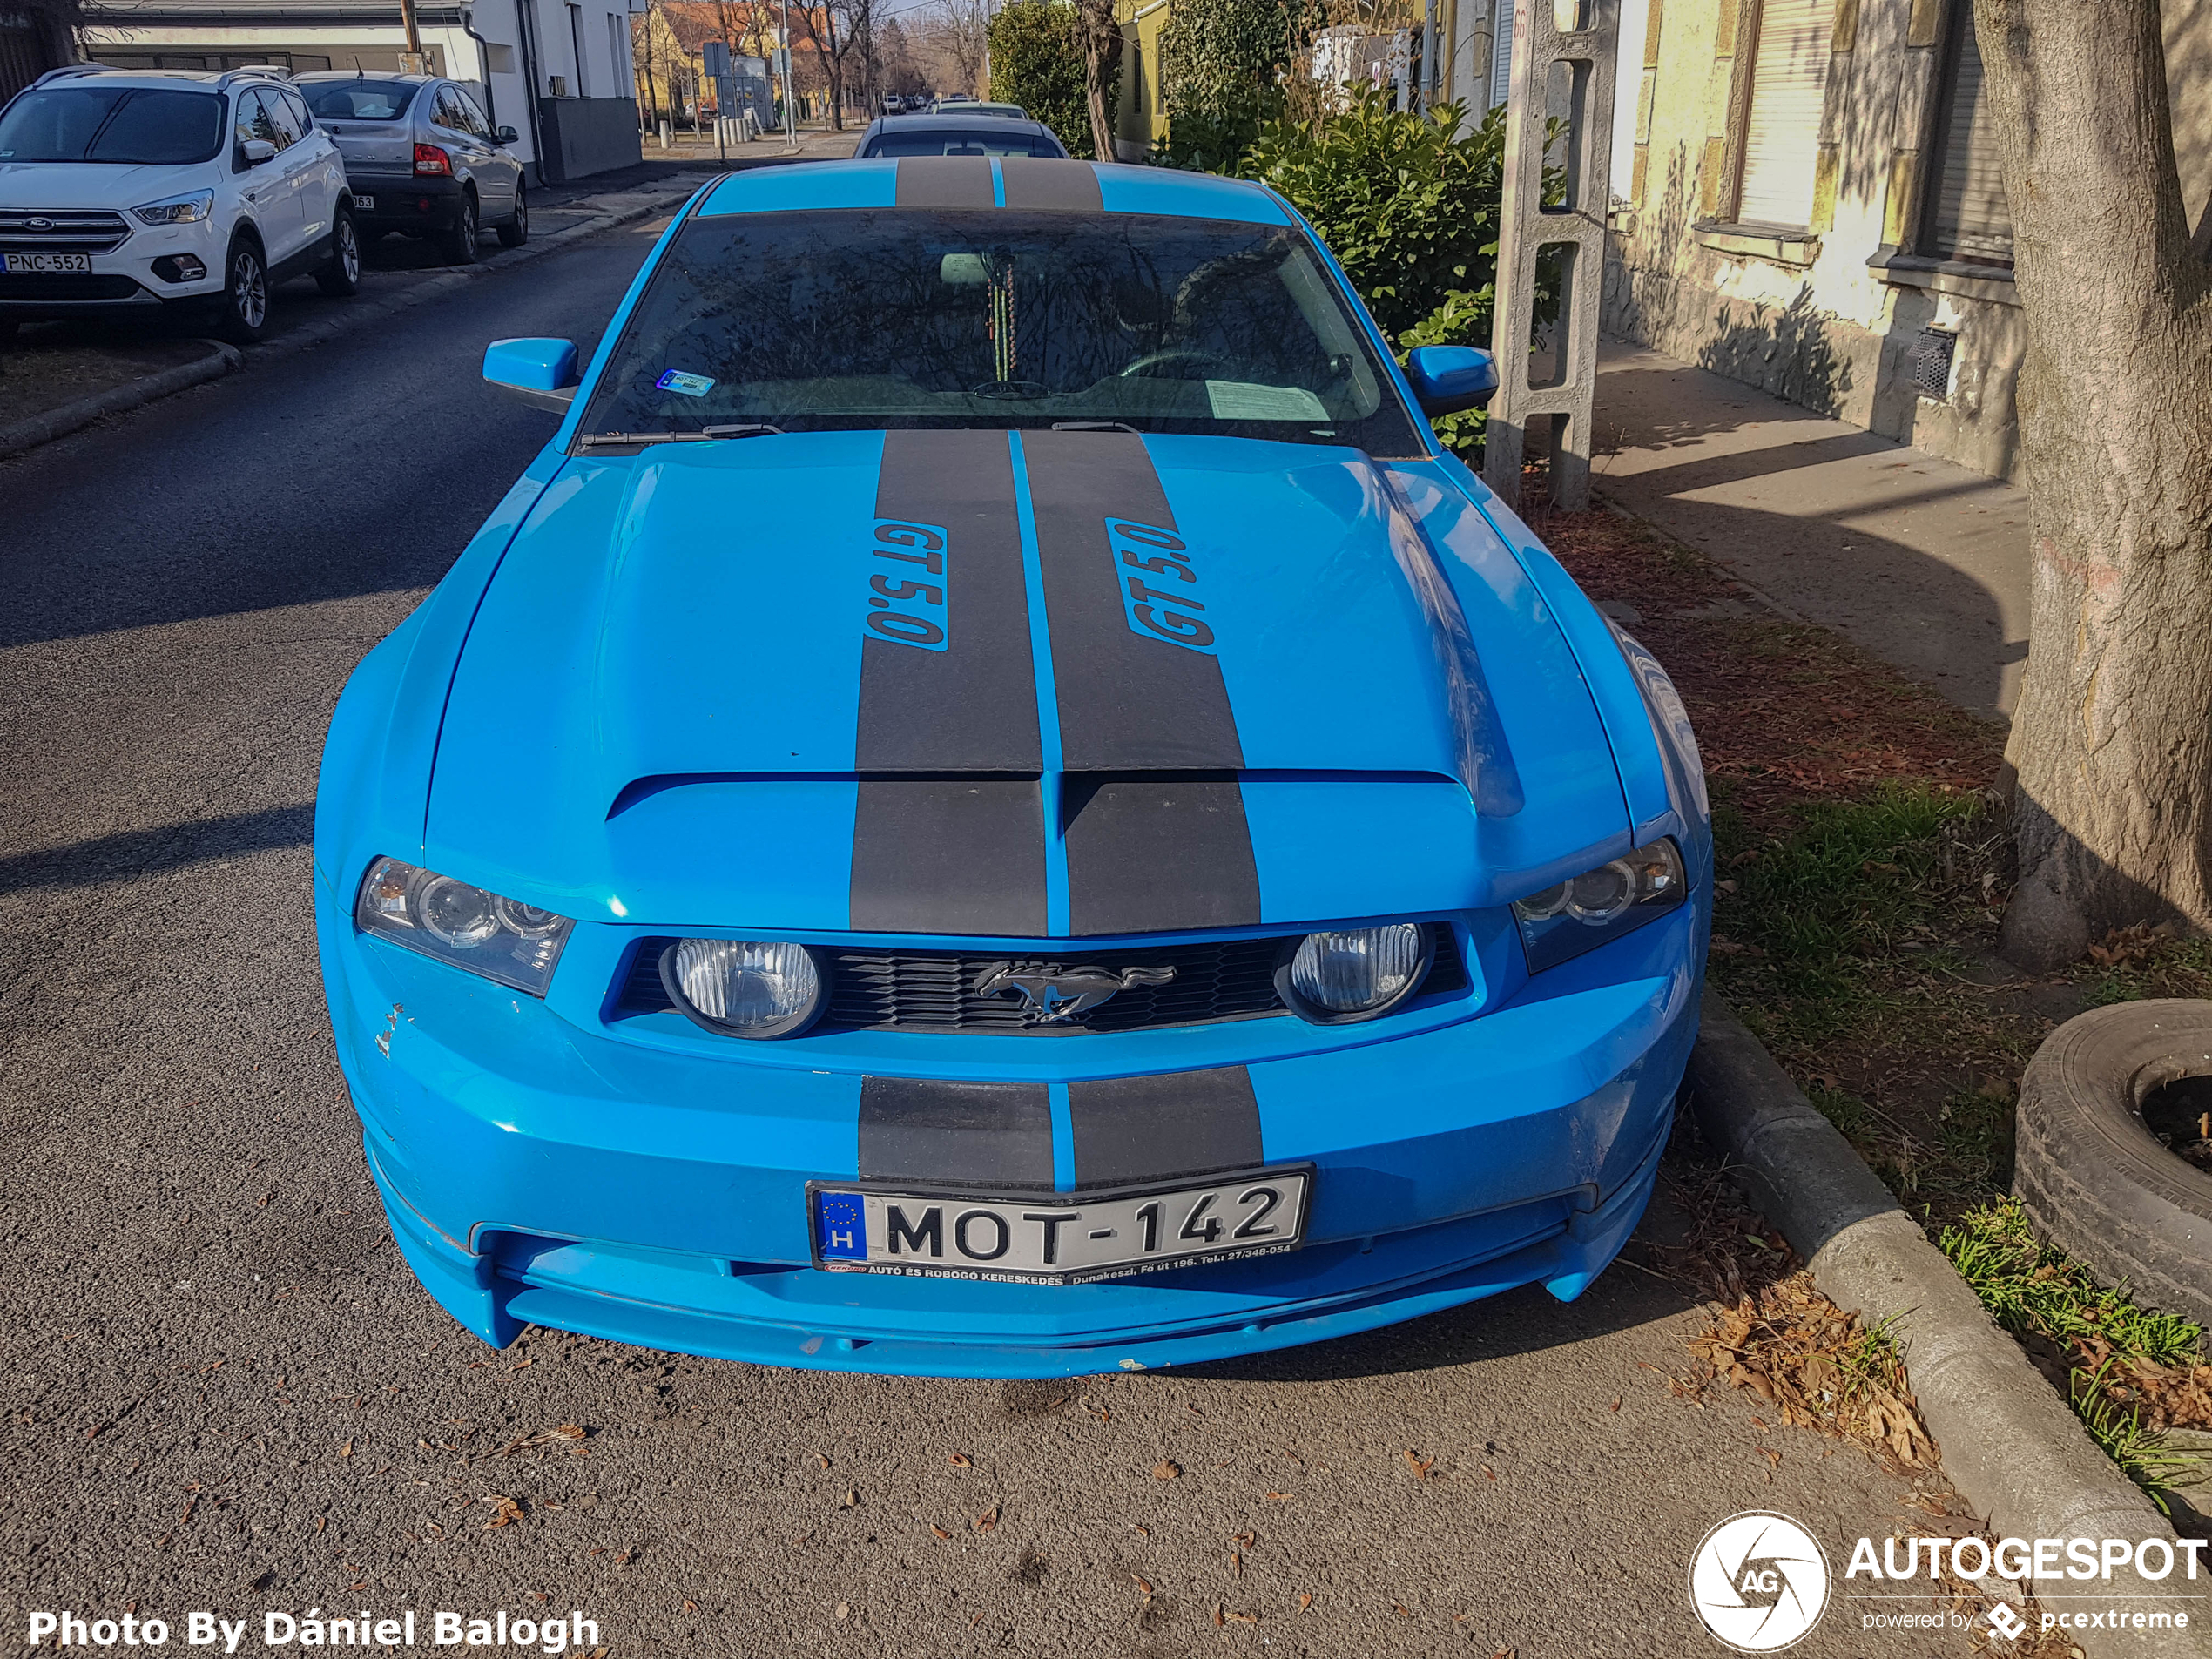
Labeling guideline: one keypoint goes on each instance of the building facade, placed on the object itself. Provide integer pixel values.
(1812, 204)
(559, 72)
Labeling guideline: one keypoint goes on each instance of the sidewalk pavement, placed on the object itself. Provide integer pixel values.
(1921, 562)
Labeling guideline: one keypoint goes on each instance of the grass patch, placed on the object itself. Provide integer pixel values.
(2050, 1302)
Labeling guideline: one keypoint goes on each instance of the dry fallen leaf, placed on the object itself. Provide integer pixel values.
(1236, 1564)
(1400, 1608)
(961, 1460)
(1617, 1399)
(507, 1510)
(851, 1499)
(321, 1521)
(820, 1462)
(1488, 1470)
(1420, 1469)
(1166, 1470)
(1218, 1620)
(940, 1531)
(844, 1610)
(690, 1606)
(1275, 1497)
(1143, 1584)
(1305, 1601)
(1244, 1540)
(988, 1519)
(346, 1450)
(1245, 1618)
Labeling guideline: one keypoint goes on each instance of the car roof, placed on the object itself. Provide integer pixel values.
(364, 74)
(106, 77)
(1029, 181)
(946, 121)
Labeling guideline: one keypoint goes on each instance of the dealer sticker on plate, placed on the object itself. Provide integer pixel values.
(1057, 1238)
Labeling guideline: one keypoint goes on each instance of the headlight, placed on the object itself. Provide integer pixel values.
(1564, 921)
(743, 987)
(513, 943)
(1333, 978)
(178, 210)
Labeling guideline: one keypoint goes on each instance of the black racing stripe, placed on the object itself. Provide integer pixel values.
(978, 1135)
(1144, 853)
(1157, 852)
(962, 853)
(945, 181)
(1034, 181)
(1127, 702)
(972, 706)
(949, 856)
(1176, 1124)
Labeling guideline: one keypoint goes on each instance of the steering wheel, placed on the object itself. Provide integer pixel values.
(1144, 365)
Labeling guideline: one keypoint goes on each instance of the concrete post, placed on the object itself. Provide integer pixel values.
(1584, 35)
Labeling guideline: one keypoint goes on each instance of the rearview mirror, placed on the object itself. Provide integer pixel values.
(1447, 379)
(506, 135)
(256, 151)
(542, 373)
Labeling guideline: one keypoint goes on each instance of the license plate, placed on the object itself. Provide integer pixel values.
(1056, 1239)
(367, 203)
(47, 263)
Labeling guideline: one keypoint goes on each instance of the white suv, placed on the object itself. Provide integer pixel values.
(126, 190)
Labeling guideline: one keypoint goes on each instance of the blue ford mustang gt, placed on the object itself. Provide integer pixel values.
(993, 805)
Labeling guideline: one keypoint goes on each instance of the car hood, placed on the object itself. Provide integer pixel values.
(973, 684)
(76, 184)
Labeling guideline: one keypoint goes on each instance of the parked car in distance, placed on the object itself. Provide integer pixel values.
(1013, 112)
(942, 101)
(964, 134)
(124, 191)
(423, 158)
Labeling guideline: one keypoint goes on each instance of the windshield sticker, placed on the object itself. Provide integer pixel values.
(1243, 401)
(907, 595)
(689, 385)
(1159, 588)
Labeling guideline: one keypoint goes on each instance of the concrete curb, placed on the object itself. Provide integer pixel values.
(2009, 1444)
(222, 359)
(56, 422)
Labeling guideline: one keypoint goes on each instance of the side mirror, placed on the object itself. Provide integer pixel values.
(542, 373)
(1447, 379)
(256, 151)
(506, 135)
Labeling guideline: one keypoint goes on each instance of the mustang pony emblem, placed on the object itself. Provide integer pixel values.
(1051, 996)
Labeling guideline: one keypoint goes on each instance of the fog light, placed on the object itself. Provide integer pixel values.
(179, 267)
(743, 987)
(1354, 974)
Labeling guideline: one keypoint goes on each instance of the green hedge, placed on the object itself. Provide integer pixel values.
(1037, 62)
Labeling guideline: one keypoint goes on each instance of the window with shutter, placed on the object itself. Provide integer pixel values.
(1782, 134)
(1968, 218)
(1500, 49)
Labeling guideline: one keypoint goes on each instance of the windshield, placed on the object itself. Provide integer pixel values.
(882, 318)
(150, 126)
(1015, 143)
(359, 99)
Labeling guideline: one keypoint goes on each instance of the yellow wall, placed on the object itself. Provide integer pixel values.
(1138, 120)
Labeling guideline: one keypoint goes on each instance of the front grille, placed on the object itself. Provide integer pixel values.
(61, 230)
(68, 288)
(934, 990)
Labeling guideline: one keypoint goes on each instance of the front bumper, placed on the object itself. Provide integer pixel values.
(539, 1169)
(134, 277)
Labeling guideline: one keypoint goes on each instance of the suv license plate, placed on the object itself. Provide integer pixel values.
(365, 204)
(47, 263)
(1053, 1238)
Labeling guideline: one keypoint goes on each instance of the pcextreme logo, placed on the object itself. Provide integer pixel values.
(1759, 1581)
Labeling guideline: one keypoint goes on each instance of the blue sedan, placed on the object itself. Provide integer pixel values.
(993, 804)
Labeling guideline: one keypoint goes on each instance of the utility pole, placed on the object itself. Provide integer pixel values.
(414, 61)
(1584, 35)
(791, 102)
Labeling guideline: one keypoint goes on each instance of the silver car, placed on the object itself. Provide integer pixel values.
(423, 158)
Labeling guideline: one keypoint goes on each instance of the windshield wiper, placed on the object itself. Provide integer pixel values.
(1094, 426)
(707, 434)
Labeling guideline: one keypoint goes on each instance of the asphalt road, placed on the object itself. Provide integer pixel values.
(224, 1392)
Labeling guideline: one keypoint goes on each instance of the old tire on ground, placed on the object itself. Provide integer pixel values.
(2091, 1177)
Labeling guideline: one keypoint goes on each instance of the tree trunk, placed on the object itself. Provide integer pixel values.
(1099, 38)
(835, 61)
(2112, 737)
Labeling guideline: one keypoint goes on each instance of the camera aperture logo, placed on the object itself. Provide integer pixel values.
(1759, 1581)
